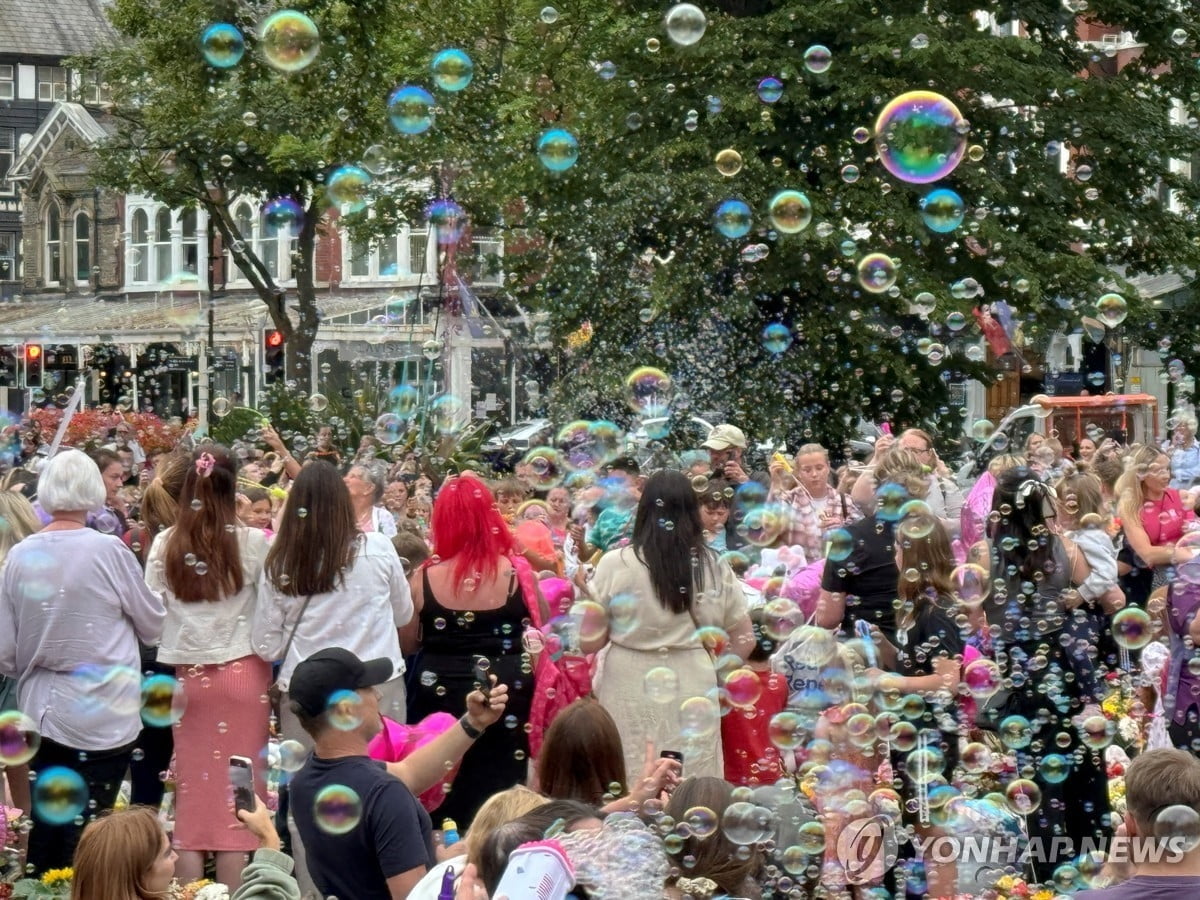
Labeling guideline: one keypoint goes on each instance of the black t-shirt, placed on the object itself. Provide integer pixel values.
(933, 634)
(868, 576)
(393, 835)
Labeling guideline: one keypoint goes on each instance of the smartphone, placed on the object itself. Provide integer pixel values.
(482, 669)
(863, 628)
(241, 776)
(672, 754)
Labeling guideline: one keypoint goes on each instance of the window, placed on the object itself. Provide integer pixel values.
(7, 158)
(267, 241)
(7, 83)
(8, 256)
(52, 84)
(139, 248)
(89, 91)
(83, 249)
(418, 252)
(53, 246)
(191, 244)
(395, 258)
(162, 245)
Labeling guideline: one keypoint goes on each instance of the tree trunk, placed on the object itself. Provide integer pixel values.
(300, 342)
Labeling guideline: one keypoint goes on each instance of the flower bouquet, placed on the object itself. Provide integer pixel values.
(54, 883)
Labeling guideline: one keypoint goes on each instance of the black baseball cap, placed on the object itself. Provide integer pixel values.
(329, 671)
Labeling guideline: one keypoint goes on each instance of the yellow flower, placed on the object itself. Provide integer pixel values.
(1005, 884)
(1043, 895)
(54, 876)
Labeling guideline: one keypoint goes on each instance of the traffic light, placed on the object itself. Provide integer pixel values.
(274, 356)
(33, 365)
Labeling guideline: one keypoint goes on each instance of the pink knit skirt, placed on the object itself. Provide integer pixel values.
(226, 715)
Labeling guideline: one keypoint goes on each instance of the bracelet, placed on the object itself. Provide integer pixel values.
(471, 731)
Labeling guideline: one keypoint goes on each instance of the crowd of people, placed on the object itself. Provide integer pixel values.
(693, 682)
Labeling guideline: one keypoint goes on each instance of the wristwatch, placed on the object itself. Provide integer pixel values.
(471, 731)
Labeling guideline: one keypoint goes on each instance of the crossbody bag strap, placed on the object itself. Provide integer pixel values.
(292, 637)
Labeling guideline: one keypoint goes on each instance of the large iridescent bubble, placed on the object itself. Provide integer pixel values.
(222, 45)
(290, 40)
(921, 137)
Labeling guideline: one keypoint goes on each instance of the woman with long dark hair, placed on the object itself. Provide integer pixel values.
(1034, 573)
(325, 584)
(207, 566)
(472, 599)
(670, 602)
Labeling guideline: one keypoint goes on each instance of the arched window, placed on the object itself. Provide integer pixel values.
(191, 244)
(54, 266)
(268, 246)
(83, 249)
(139, 248)
(162, 245)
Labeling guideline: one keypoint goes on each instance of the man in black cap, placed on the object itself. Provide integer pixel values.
(365, 835)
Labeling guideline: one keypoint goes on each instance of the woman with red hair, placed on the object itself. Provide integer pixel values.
(471, 600)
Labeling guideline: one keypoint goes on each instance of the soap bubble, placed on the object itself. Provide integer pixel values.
(919, 137)
(648, 391)
(770, 89)
(318, 403)
(728, 162)
(661, 684)
(449, 220)
(733, 219)
(746, 823)
(982, 678)
(60, 795)
(786, 730)
(790, 212)
(702, 821)
(163, 701)
(1132, 628)
(1178, 824)
(1054, 768)
(221, 407)
(452, 70)
(289, 40)
(19, 738)
(337, 809)
(447, 413)
(292, 756)
(546, 467)
(548, 15)
(699, 717)
(982, 429)
(345, 710)
(743, 688)
(347, 187)
(876, 272)
(818, 59)
(1023, 796)
(389, 429)
(1016, 732)
(942, 210)
(685, 24)
(222, 45)
(284, 214)
(1112, 309)
(558, 150)
(1097, 732)
(776, 338)
(410, 109)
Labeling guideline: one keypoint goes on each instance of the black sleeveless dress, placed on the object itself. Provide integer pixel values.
(451, 640)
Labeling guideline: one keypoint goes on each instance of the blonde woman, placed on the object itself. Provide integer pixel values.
(1153, 515)
(18, 520)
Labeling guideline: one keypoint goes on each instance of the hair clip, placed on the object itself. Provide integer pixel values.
(204, 465)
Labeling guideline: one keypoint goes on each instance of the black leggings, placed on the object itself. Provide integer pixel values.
(53, 846)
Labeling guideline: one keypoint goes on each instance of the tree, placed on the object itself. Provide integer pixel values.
(192, 134)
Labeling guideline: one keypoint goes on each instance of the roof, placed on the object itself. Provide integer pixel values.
(64, 117)
(178, 315)
(1102, 400)
(54, 28)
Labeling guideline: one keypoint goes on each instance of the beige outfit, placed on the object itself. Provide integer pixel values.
(645, 636)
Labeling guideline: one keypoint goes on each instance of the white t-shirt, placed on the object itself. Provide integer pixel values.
(361, 615)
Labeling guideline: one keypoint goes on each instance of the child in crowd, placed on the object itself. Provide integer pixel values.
(715, 502)
(750, 757)
(1082, 516)
(259, 512)
(412, 550)
(510, 494)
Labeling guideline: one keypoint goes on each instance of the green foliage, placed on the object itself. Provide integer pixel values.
(625, 239)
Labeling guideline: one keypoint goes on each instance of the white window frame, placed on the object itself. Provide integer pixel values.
(8, 155)
(8, 82)
(49, 246)
(258, 241)
(149, 249)
(57, 89)
(401, 245)
(13, 274)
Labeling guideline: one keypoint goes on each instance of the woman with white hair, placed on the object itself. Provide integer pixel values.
(367, 484)
(1184, 452)
(73, 607)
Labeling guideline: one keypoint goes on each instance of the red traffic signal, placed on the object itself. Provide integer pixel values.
(33, 352)
(33, 365)
(274, 339)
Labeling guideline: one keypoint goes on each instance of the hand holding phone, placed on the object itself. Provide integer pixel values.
(482, 672)
(863, 628)
(241, 777)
